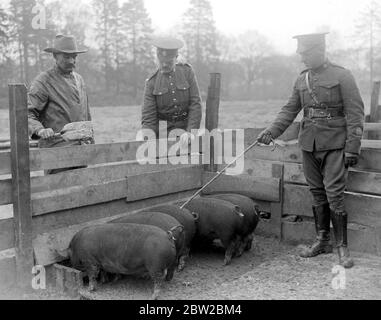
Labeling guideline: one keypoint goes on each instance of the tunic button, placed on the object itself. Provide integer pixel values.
(171, 84)
(173, 91)
(174, 99)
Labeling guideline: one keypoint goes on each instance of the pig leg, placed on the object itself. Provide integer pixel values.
(230, 247)
(170, 272)
(93, 272)
(249, 241)
(240, 248)
(157, 284)
(104, 277)
(182, 260)
(117, 277)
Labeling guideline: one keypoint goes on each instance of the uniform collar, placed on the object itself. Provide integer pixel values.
(321, 68)
(172, 73)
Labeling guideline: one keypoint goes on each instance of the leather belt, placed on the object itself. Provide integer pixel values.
(174, 117)
(323, 112)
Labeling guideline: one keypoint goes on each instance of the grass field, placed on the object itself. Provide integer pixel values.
(113, 124)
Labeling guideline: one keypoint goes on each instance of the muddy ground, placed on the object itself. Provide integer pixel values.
(271, 270)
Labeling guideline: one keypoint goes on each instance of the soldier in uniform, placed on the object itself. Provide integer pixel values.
(330, 138)
(171, 93)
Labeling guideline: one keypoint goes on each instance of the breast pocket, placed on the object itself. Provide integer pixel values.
(160, 95)
(183, 92)
(329, 91)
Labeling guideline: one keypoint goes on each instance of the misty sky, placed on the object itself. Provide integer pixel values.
(279, 20)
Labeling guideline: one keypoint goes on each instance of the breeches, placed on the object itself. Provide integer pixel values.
(326, 175)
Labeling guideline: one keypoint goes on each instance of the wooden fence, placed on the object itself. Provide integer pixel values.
(48, 210)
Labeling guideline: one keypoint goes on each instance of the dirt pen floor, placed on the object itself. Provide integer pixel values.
(271, 270)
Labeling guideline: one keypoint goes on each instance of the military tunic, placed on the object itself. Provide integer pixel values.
(327, 130)
(173, 97)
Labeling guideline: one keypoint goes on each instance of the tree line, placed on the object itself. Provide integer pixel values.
(120, 56)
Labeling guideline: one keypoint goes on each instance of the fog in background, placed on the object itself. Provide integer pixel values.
(248, 41)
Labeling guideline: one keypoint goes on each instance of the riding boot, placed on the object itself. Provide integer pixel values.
(322, 243)
(339, 222)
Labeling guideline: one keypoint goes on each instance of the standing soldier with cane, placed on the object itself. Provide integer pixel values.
(330, 139)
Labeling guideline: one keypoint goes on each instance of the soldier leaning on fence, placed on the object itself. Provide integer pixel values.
(58, 97)
(171, 93)
(330, 138)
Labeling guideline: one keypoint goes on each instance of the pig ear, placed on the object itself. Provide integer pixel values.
(195, 215)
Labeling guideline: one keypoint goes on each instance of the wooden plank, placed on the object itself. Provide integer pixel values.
(362, 209)
(164, 182)
(290, 152)
(5, 191)
(61, 219)
(21, 199)
(5, 162)
(63, 157)
(277, 207)
(77, 196)
(372, 126)
(266, 189)
(374, 116)
(7, 234)
(374, 101)
(287, 152)
(7, 270)
(370, 144)
(99, 174)
(87, 176)
(364, 182)
(370, 159)
(358, 181)
(211, 113)
(291, 133)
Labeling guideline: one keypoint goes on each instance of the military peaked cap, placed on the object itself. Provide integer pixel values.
(310, 41)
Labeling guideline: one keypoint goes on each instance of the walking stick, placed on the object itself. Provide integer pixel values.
(219, 173)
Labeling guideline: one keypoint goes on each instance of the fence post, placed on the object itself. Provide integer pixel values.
(211, 112)
(277, 207)
(374, 116)
(21, 198)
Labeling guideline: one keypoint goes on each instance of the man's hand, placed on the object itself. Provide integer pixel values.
(265, 137)
(351, 159)
(45, 133)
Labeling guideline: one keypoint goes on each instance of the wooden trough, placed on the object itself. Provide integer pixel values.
(49, 210)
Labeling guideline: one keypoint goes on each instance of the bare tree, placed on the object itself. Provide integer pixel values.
(251, 49)
(106, 13)
(368, 32)
(200, 35)
(136, 31)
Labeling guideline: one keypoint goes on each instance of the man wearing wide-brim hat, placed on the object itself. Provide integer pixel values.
(57, 96)
(330, 138)
(171, 94)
